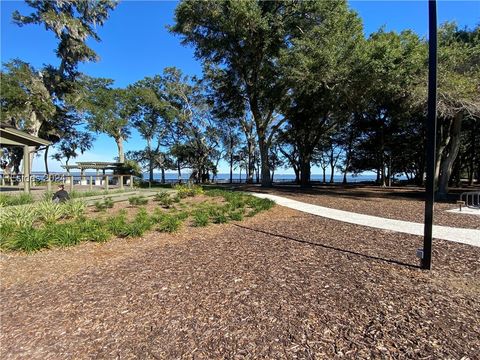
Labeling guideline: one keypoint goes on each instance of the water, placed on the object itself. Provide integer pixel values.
(225, 177)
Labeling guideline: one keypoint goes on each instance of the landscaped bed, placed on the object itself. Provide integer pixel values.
(46, 224)
(283, 284)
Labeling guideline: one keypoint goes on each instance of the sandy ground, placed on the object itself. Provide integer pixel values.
(283, 284)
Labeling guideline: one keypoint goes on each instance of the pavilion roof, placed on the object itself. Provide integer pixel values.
(13, 137)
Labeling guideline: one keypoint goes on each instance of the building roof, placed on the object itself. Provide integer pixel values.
(13, 137)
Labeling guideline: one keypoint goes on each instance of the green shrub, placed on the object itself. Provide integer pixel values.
(184, 191)
(20, 216)
(65, 234)
(106, 203)
(28, 239)
(200, 218)
(7, 229)
(13, 200)
(137, 200)
(94, 230)
(169, 223)
(74, 208)
(100, 205)
(219, 218)
(236, 215)
(117, 225)
(48, 195)
(176, 199)
(50, 212)
(161, 196)
(164, 199)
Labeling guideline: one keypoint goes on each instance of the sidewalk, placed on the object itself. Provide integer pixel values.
(459, 235)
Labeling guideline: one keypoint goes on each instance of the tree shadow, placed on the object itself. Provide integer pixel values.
(329, 247)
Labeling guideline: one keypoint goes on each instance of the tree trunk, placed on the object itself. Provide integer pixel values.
(121, 155)
(163, 175)
(266, 178)
(231, 165)
(251, 158)
(324, 171)
(179, 171)
(297, 174)
(304, 171)
(448, 161)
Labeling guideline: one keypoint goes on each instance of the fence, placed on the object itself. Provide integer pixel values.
(70, 181)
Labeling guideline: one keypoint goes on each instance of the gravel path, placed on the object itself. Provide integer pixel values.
(281, 285)
(463, 236)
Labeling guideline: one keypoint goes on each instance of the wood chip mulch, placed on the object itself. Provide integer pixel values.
(283, 284)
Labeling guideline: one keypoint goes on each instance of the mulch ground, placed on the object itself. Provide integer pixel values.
(283, 284)
(401, 203)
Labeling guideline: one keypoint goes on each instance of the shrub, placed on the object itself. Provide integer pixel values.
(219, 218)
(117, 225)
(74, 208)
(50, 212)
(13, 200)
(108, 202)
(161, 196)
(20, 216)
(184, 191)
(164, 199)
(100, 206)
(28, 239)
(169, 223)
(93, 230)
(137, 200)
(66, 234)
(236, 215)
(176, 199)
(200, 218)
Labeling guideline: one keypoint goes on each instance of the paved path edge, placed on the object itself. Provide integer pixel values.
(459, 235)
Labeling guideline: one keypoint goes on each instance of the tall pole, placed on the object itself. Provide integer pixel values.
(426, 262)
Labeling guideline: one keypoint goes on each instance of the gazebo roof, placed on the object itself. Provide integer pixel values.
(94, 165)
(13, 137)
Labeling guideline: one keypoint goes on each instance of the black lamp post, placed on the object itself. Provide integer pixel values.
(426, 262)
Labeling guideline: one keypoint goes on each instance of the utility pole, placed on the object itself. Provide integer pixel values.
(426, 262)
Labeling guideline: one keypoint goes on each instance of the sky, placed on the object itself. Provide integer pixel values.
(135, 43)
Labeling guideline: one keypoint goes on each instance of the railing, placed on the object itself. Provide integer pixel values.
(471, 199)
(50, 180)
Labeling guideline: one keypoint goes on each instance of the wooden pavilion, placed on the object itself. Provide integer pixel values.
(10, 136)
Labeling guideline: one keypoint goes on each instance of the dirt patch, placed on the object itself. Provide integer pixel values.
(283, 284)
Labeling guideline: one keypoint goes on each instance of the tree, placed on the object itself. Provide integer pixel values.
(70, 146)
(106, 110)
(458, 95)
(242, 40)
(47, 106)
(318, 70)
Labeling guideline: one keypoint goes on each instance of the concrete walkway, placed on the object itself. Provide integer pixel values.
(459, 235)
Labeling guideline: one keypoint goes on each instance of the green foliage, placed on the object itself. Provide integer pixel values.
(63, 234)
(164, 199)
(236, 215)
(184, 191)
(137, 200)
(93, 230)
(74, 208)
(13, 200)
(50, 212)
(200, 218)
(20, 216)
(117, 224)
(27, 239)
(169, 223)
(106, 203)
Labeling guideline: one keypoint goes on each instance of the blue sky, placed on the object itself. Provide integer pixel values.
(135, 43)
